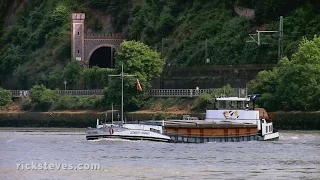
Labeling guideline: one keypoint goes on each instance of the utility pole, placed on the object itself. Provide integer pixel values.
(156, 47)
(111, 113)
(162, 46)
(122, 75)
(111, 53)
(280, 43)
(207, 60)
(162, 57)
(280, 38)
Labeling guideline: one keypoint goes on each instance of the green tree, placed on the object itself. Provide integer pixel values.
(95, 77)
(294, 84)
(55, 79)
(299, 82)
(202, 102)
(71, 73)
(42, 97)
(10, 58)
(5, 97)
(166, 22)
(224, 91)
(26, 104)
(206, 101)
(36, 93)
(140, 60)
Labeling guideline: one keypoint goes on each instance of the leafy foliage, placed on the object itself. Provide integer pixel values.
(5, 97)
(118, 8)
(138, 59)
(224, 91)
(37, 92)
(71, 73)
(26, 104)
(206, 101)
(11, 58)
(163, 104)
(66, 102)
(268, 10)
(77, 103)
(42, 97)
(202, 102)
(35, 45)
(96, 78)
(294, 84)
(185, 38)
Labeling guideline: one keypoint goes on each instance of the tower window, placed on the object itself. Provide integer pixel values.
(78, 51)
(78, 33)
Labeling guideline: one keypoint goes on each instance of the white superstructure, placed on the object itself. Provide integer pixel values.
(236, 110)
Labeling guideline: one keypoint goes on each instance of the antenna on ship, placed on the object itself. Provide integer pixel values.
(122, 75)
(105, 118)
(111, 113)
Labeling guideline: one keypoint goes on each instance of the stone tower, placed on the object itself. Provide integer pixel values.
(77, 46)
(84, 45)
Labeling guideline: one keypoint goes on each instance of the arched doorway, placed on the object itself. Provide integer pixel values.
(102, 57)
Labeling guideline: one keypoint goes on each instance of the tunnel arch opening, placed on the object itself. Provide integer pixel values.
(102, 57)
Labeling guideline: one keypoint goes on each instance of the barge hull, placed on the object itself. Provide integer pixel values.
(199, 139)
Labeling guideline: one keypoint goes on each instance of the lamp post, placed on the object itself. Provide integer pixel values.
(65, 84)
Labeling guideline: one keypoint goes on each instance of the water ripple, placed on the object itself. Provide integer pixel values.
(294, 156)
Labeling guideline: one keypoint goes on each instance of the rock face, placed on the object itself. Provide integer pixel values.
(244, 12)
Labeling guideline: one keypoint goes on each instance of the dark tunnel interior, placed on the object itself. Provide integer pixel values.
(102, 57)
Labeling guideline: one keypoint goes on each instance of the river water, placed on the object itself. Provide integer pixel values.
(295, 156)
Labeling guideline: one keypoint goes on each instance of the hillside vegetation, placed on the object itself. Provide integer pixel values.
(293, 84)
(35, 34)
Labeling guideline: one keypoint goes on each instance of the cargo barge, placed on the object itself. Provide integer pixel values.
(231, 121)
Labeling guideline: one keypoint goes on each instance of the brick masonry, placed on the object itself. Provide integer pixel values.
(83, 45)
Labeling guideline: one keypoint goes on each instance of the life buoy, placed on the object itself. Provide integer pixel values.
(111, 131)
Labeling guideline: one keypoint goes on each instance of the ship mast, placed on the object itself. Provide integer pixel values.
(122, 75)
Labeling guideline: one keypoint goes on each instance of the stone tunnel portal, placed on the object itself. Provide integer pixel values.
(103, 57)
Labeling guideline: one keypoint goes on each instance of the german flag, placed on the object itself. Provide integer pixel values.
(139, 88)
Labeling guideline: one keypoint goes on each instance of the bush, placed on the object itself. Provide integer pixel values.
(202, 102)
(37, 92)
(88, 102)
(5, 97)
(224, 91)
(297, 120)
(43, 97)
(69, 102)
(206, 101)
(65, 102)
(45, 103)
(26, 104)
